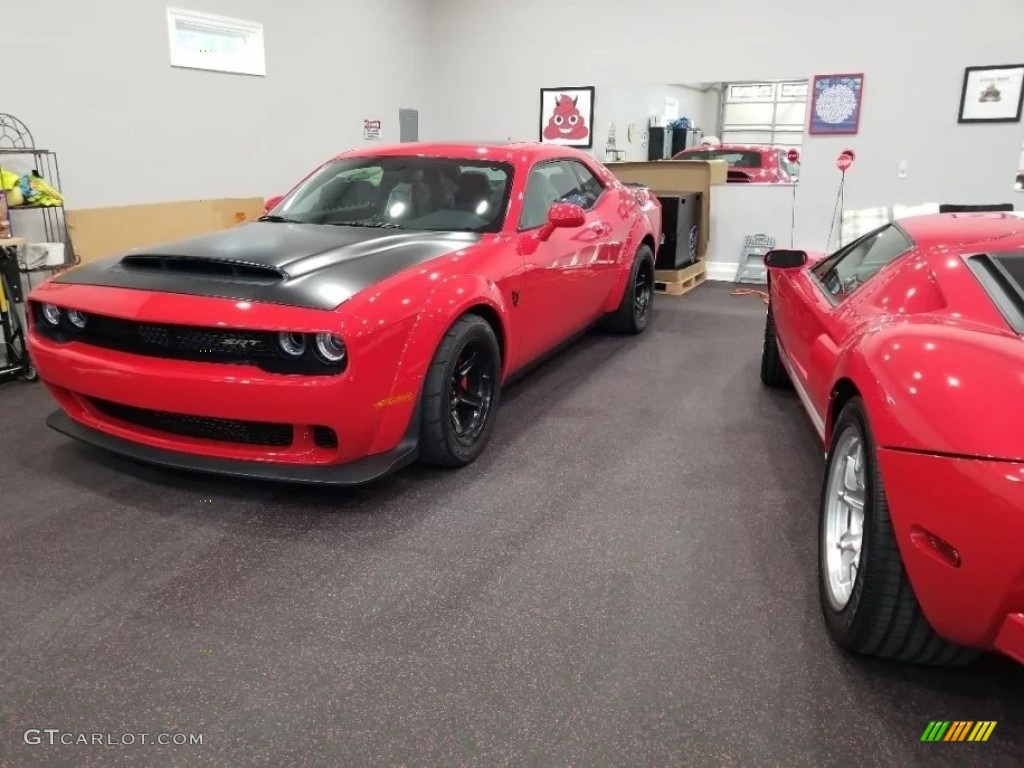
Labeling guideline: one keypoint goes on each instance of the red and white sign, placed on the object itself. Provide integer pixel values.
(845, 160)
(371, 130)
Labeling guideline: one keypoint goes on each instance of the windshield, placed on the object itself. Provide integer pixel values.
(405, 192)
(735, 158)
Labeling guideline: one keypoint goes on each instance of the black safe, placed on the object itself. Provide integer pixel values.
(680, 227)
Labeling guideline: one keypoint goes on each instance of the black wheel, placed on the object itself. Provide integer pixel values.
(634, 312)
(866, 597)
(773, 372)
(461, 394)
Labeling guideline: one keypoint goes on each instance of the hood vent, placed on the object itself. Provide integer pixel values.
(201, 267)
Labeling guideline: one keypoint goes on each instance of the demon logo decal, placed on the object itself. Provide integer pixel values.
(567, 114)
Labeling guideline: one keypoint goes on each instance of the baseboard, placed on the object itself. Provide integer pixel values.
(722, 270)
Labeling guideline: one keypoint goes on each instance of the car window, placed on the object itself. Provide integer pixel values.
(852, 266)
(734, 157)
(404, 192)
(591, 187)
(553, 182)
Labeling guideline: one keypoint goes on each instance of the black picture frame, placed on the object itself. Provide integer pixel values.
(970, 86)
(576, 91)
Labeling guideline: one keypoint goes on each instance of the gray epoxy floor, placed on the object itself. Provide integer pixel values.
(626, 578)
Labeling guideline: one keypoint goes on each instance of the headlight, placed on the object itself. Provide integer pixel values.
(51, 314)
(330, 347)
(77, 319)
(292, 344)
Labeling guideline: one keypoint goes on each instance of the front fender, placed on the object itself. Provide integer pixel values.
(399, 324)
(941, 388)
(452, 298)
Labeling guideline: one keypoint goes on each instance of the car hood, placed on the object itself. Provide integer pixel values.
(303, 265)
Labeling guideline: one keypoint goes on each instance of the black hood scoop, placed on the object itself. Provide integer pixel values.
(192, 265)
(299, 265)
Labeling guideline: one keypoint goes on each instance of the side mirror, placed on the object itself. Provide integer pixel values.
(562, 216)
(271, 203)
(785, 259)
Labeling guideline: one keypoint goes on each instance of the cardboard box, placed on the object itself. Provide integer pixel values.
(678, 176)
(100, 232)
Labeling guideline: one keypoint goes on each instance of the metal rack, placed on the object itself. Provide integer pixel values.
(16, 140)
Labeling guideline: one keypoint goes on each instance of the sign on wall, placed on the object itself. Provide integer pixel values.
(371, 130)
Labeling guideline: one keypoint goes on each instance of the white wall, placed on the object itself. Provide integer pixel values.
(93, 82)
(623, 105)
(913, 54)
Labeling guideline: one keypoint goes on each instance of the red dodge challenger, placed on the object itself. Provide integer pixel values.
(905, 348)
(748, 164)
(369, 318)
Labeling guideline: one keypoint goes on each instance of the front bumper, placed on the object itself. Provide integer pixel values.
(976, 506)
(356, 472)
(124, 402)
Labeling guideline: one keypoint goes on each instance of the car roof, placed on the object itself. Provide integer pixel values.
(961, 230)
(493, 150)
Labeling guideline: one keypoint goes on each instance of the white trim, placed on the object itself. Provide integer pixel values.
(722, 270)
(816, 420)
(241, 50)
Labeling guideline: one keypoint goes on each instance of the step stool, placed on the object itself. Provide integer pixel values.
(752, 268)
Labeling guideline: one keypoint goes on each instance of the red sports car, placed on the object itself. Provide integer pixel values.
(370, 318)
(748, 164)
(905, 348)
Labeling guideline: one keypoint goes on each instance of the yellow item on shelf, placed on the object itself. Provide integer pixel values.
(8, 180)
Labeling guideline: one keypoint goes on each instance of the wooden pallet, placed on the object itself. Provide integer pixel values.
(678, 282)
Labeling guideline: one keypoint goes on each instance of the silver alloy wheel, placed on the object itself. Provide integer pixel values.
(844, 517)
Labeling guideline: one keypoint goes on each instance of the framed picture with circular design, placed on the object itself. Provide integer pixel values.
(835, 104)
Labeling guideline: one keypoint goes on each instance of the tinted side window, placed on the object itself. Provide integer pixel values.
(551, 182)
(847, 270)
(590, 186)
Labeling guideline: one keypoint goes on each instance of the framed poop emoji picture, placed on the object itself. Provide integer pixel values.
(567, 116)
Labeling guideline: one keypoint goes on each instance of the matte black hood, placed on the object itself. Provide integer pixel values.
(303, 265)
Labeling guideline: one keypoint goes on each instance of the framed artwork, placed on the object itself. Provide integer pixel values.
(992, 94)
(567, 116)
(835, 104)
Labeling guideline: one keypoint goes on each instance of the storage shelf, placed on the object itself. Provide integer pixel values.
(16, 140)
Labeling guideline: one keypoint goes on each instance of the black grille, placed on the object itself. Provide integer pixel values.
(206, 267)
(187, 342)
(204, 427)
(325, 437)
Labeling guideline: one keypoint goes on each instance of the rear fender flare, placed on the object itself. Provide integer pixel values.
(641, 228)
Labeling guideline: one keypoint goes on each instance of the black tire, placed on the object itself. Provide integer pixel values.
(773, 372)
(442, 443)
(882, 617)
(634, 312)
(30, 374)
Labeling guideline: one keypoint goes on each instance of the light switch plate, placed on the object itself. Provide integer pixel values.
(901, 170)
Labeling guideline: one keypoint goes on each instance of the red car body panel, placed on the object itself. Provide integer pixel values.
(537, 294)
(941, 373)
(771, 170)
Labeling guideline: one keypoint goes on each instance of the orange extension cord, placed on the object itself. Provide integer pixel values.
(750, 292)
